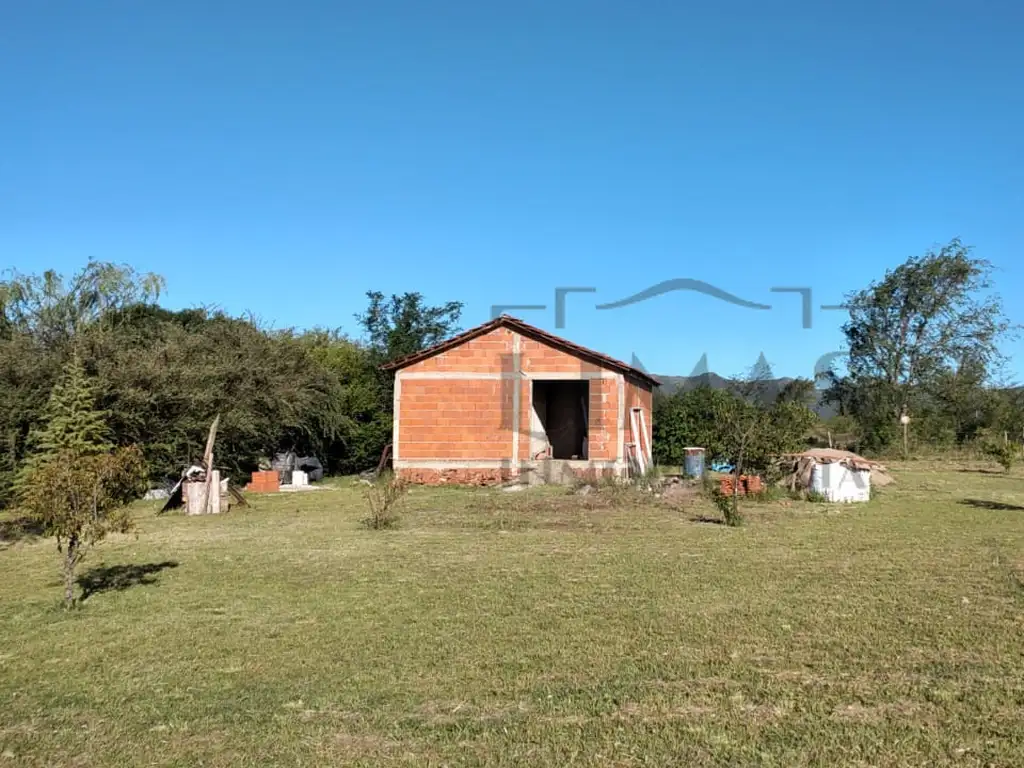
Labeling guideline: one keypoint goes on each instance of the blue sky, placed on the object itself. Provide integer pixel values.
(284, 158)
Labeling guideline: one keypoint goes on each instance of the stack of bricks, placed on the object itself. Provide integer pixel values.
(748, 484)
(264, 482)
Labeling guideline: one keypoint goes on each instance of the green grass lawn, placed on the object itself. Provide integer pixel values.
(537, 628)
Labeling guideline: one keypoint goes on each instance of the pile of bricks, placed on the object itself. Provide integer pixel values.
(748, 484)
(264, 482)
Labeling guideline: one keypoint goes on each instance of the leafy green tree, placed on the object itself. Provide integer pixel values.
(365, 422)
(41, 317)
(687, 419)
(81, 498)
(163, 376)
(405, 324)
(1007, 412)
(55, 308)
(800, 391)
(741, 425)
(718, 420)
(1003, 452)
(27, 373)
(745, 429)
(925, 323)
(788, 427)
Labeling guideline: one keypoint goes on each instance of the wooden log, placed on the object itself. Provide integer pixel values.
(195, 497)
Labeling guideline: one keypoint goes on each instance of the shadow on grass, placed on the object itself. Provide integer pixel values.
(1000, 506)
(1000, 472)
(117, 578)
(706, 519)
(20, 529)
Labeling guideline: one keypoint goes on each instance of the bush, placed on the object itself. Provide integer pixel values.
(708, 417)
(1004, 453)
(648, 481)
(383, 497)
(727, 506)
(688, 419)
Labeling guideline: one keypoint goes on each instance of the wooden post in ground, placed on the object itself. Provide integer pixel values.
(195, 498)
(905, 421)
(210, 503)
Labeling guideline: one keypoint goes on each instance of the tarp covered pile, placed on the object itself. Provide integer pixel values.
(800, 467)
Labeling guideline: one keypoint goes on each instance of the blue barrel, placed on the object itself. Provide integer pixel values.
(693, 462)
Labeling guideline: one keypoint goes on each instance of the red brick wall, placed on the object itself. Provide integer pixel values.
(525, 407)
(490, 353)
(538, 358)
(455, 419)
(604, 425)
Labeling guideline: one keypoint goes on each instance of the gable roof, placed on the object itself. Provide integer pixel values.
(530, 331)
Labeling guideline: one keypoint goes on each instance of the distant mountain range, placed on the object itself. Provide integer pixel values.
(772, 388)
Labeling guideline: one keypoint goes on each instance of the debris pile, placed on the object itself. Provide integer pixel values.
(800, 467)
(678, 489)
(200, 489)
(203, 495)
(288, 463)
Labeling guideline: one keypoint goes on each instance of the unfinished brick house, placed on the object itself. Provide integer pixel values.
(506, 400)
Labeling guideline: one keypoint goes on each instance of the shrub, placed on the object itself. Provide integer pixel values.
(768, 493)
(79, 499)
(648, 481)
(383, 498)
(727, 505)
(1004, 453)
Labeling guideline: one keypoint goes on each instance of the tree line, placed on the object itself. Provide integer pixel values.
(923, 366)
(159, 376)
(923, 343)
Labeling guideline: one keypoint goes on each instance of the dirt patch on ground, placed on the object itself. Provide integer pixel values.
(680, 493)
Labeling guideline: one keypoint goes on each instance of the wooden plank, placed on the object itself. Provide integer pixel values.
(648, 452)
(638, 447)
(212, 490)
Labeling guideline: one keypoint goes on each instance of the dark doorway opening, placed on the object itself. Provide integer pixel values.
(561, 410)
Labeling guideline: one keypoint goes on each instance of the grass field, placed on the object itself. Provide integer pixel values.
(537, 628)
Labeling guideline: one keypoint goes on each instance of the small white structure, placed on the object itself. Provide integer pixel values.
(839, 482)
(299, 478)
(839, 476)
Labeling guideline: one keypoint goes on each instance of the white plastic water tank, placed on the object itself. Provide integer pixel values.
(837, 482)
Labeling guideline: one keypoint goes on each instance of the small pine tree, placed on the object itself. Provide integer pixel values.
(74, 483)
(71, 422)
